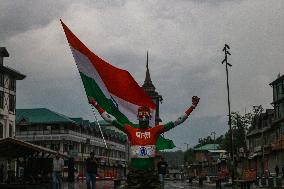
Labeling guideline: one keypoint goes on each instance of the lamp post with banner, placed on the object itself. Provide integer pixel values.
(226, 52)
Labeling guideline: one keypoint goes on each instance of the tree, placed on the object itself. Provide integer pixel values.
(189, 156)
(240, 125)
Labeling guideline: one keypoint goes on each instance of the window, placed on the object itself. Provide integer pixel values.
(55, 146)
(278, 111)
(277, 133)
(10, 130)
(1, 80)
(12, 84)
(1, 130)
(83, 149)
(11, 103)
(1, 99)
(65, 147)
(23, 128)
(71, 146)
(277, 91)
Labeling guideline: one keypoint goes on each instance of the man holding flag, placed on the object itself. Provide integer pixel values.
(120, 101)
(142, 144)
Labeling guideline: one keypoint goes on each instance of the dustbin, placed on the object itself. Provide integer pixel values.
(263, 181)
(257, 182)
(278, 182)
(271, 182)
(116, 183)
(190, 180)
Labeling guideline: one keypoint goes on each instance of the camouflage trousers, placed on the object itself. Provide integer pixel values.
(142, 179)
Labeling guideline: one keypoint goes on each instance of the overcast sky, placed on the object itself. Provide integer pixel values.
(184, 39)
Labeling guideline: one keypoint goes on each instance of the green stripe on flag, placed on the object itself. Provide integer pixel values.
(163, 143)
(93, 90)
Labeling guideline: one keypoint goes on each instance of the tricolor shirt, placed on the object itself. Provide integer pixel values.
(142, 143)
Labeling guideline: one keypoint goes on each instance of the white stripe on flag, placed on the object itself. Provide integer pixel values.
(130, 110)
(86, 67)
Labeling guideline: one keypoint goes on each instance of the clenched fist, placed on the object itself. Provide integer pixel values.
(195, 100)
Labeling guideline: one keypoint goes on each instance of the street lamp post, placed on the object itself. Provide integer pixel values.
(214, 134)
(186, 146)
(185, 160)
(225, 49)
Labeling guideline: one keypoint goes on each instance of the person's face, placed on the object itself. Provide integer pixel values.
(144, 124)
(144, 117)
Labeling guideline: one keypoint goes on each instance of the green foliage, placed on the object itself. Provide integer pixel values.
(189, 156)
(240, 125)
(209, 140)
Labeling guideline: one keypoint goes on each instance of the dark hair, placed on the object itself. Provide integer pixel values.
(92, 153)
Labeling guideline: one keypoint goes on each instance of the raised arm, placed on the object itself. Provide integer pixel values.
(183, 117)
(106, 116)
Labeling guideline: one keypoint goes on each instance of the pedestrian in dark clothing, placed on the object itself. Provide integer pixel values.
(1, 173)
(277, 170)
(91, 171)
(162, 170)
(71, 170)
(283, 171)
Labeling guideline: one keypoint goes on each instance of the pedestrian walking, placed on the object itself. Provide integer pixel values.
(91, 171)
(162, 170)
(277, 170)
(283, 171)
(58, 168)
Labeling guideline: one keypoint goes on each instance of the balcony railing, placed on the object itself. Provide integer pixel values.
(81, 156)
(278, 144)
(66, 135)
(257, 148)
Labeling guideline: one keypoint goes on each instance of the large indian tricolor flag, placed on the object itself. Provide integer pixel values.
(114, 89)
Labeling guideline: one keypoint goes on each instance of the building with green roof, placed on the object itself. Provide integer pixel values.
(75, 137)
(41, 116)
(208, 153)
(207, 147)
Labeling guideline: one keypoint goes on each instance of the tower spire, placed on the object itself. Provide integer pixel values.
(150, 89)
(147, 60)
(148, 81)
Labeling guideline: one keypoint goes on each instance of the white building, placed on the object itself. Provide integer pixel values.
(8, 78)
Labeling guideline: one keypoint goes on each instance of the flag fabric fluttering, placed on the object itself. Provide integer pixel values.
(113, 88)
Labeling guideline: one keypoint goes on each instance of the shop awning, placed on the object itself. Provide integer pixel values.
(14, 148)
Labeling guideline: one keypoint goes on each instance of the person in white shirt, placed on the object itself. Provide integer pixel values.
(58, 168)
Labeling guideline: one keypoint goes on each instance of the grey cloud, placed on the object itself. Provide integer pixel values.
(18, 16)
(185, 41)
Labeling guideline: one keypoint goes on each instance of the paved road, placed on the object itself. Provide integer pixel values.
(82, 185)
(109, 185)
(185, 185)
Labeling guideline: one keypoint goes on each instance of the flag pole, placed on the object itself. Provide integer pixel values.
(97, 121)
